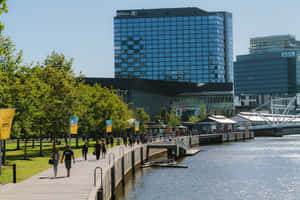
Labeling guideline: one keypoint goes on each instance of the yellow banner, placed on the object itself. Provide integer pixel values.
(247, 130)
(137, 128)
(73, 129)
(6, 118)
(108, 129)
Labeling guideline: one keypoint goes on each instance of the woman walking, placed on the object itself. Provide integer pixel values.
(55, 158)
(85, 150)
(103, 149)
(97, 149)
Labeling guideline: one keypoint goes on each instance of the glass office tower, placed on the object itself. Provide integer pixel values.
(180, 44)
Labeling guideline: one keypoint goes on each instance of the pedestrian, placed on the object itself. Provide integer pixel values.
(130, 141)
(85, 150)
(111, 141)
(107, 141)
(55, 158)
(97, 149)
(68, 155)
(103, 149)
(125, 140)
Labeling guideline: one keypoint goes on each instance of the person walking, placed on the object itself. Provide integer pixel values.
(97, 149)
(103, 149)
(85, 150)
(111, 141)
(55, 158)
(68, 155)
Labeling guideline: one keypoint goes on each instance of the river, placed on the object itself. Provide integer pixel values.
(258, 169)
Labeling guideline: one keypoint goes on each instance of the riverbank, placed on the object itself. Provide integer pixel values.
(119, 161)
(127, 162)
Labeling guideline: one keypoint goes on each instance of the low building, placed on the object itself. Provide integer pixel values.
(152, 95)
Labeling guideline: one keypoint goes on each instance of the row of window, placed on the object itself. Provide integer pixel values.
(173, 77)
(212, 42)
(170, 19)
(167, 74)
(174, 37)
(161, 53)
(166, 27)
(186, 69)
(165, 58)
(181, 51)
(197, 41)
(168, 62)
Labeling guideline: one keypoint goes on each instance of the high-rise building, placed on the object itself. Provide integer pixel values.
(271, 69)
(274, 43)
(178, 44)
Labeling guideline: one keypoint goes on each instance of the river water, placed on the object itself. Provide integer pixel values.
(259, 169)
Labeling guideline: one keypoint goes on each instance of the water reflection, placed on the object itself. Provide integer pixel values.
(263, 169)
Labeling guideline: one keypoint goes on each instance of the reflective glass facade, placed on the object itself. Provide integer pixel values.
(186, 45)
(275, 73)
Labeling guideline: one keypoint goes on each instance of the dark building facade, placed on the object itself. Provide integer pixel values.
(177, 44)
(272, 69)
(152, 95)
(272, 73)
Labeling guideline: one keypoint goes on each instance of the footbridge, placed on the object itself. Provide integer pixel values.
(278, 117)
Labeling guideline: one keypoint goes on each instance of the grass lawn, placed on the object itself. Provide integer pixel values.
(35, 164)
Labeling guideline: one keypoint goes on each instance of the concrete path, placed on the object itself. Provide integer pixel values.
(43, 187)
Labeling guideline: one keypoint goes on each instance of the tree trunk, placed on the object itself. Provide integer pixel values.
(32, 143)
(18, 144)
(25, 149)
(41, 145)
(4, 152)
(54, 140)
(66, 139)
(76, 140)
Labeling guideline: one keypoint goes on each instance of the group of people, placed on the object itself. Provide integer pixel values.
(68, 155)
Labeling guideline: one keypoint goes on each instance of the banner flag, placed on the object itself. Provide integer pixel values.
(108, 126)
(137, 126)
(73, 125)
(6, 118)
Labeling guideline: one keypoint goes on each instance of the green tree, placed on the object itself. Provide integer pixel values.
(194, 118)
(58, 75)
(164, 115)
(202, 112)
(3, 9)
(174, 119)
(143, 118)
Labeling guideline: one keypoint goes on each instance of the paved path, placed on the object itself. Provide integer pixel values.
(43, 187)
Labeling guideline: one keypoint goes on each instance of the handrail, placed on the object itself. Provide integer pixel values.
(101, 171)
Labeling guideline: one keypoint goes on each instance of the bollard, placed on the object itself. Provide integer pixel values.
(147, 154)
(142, 156)
(112, 175)
(100, 194)
(132, 162)
(14, 173)
(122, 153)
(123, 170)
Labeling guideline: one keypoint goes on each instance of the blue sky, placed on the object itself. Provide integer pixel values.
(83, 29)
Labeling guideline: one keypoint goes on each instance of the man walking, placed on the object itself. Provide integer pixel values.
(68, 155)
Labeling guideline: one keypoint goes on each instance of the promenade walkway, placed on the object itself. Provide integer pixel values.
(77, 187)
